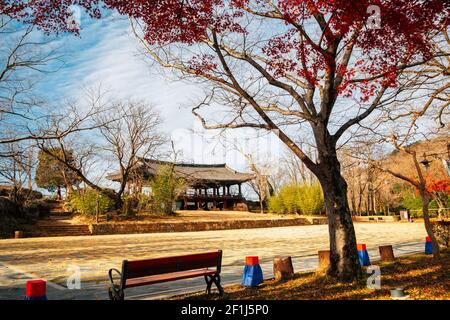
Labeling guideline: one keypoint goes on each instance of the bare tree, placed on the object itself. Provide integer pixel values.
(73, 134)
(24, 59)
(130, 133)
(295, 170)
(16, 172)
(260, 184)
(420, 182)
(430, 84)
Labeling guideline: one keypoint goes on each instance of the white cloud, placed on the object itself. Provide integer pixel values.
(106, 55)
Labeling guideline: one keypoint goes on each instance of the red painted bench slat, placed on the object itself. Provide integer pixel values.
(142, 268)
(168, 277)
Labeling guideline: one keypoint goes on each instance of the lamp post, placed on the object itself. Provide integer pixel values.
(425, 162)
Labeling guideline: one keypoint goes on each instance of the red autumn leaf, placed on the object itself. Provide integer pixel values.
(402, 38)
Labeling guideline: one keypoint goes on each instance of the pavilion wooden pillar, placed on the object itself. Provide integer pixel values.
(223, 190)
(240, 191)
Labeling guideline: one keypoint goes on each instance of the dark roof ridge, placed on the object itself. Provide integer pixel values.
(184, 164)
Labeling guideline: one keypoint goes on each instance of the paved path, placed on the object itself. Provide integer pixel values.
(49, 258)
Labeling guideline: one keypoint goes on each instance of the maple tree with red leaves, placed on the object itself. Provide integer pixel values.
(285, 66)
(427, 186)
(438, 186)
(439, 190)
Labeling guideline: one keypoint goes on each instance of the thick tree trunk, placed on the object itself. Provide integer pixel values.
(428, 226)
(344, 262)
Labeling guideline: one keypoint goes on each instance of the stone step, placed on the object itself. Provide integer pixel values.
(41, 235)
(58, 231)
(50, 228)
(60, 214)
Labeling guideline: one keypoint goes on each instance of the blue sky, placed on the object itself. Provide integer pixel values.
(106, 54)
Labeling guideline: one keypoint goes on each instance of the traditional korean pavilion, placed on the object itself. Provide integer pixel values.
(208, 186)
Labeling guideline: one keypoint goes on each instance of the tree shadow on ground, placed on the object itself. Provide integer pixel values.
(421, 276)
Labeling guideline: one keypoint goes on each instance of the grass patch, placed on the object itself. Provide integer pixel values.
(422, 278)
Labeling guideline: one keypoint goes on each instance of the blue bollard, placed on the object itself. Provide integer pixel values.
(252, 275)
(363, 255)
(428, 246)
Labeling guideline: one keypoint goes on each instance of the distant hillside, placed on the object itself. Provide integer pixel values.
(434, 151)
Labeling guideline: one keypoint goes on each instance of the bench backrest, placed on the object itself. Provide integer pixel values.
(150, 267)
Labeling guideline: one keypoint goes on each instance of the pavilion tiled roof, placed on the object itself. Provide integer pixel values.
(194, 174)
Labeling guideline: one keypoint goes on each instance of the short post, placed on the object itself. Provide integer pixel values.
(283, 268)
(18, 234)
(36, 290)
(97, 208)
(324, 259)
(252, 275)
(428, 246)
(363, 255)
(386, 253)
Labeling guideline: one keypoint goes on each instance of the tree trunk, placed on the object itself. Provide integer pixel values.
(58, 193)
(428, 227)
(283, 268)
(69, 191)
(324, 259)
(344, 262)
(386, 253)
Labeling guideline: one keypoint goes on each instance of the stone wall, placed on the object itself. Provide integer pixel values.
(128, 228)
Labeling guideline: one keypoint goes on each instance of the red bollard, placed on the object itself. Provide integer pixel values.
(36, 290)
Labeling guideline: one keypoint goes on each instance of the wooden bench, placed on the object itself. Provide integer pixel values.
(146, 272)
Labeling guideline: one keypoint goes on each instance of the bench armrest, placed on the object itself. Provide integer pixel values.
(111, 277)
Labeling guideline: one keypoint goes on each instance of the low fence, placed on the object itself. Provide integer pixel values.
(128, 228)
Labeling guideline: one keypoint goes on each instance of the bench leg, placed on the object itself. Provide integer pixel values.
(209, 282)
(116, 293)
(216, 280)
